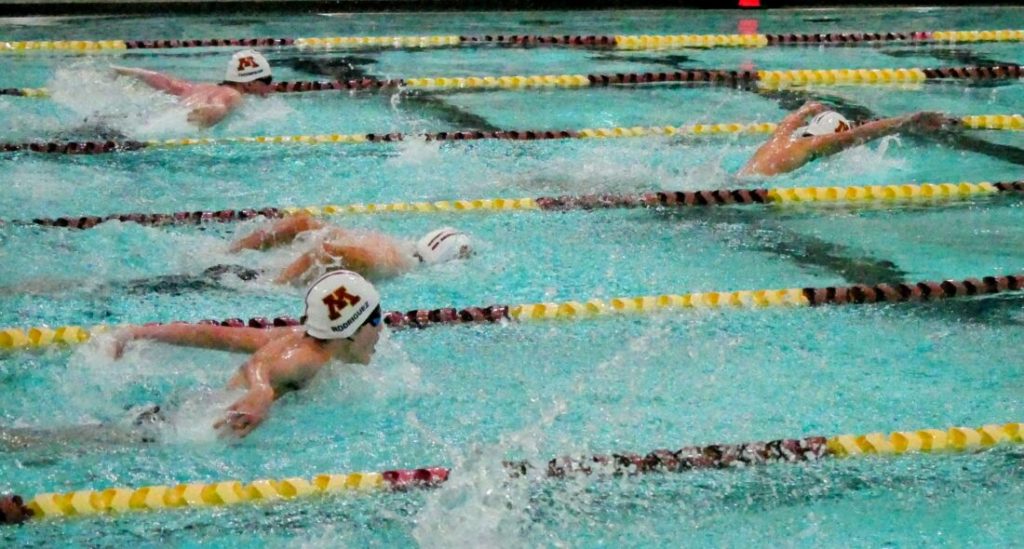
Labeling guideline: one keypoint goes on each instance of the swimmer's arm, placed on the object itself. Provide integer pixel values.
(157, 80)
(215, 109)
(794, 120)
(861, 134)
(297, 268)
(355, 258)
(371, 263)
(249, 411)
(204, 336)
(282, 231)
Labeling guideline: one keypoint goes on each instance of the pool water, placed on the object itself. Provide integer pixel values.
(472, 396)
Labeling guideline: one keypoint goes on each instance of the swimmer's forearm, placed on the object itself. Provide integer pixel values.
(202, 336)
(793, 121)
(832, 143)
(156, 80)
(296, 269)
(881, 128)
(282, 232)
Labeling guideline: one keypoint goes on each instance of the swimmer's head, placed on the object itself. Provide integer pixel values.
(825, 123)
(249, 69)
(444, 244)
(339, 304)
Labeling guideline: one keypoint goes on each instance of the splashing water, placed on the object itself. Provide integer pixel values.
(480, 506)
(864, 161)
(255, 113)
(115, 103)
(415, 152)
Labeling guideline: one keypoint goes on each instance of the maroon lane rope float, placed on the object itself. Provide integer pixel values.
(855, 294)
(678, 199)
(567, 40)
(711, 76)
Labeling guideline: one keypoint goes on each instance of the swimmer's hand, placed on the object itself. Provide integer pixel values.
(928, 121)
(120, 340)
(13, 510)
(124, 71)
(246, 414)
(812, 108)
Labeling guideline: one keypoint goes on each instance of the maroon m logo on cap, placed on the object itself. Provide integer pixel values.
(337, 301)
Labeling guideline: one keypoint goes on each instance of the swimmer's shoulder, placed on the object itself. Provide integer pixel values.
(215, 92)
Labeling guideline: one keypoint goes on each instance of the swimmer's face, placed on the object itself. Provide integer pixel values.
(257, 87)
(842, 127)
(364, 343)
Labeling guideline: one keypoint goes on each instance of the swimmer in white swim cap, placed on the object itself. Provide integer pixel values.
(442, 245)
(247, 72)
(794, 144)
(824, 123)
(342, 321)
(374, 255)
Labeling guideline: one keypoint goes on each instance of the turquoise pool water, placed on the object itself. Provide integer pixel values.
(468, 397)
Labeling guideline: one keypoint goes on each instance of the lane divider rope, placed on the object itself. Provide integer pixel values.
(689, 458)
(627, 42)
(1005, 122)
(772, 79)
(652, 199)
(43, 336)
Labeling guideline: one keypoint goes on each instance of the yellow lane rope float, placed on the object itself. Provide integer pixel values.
(42, 336)
(652, 199)
(769, 79)
(626, 42)
(1004, 122)
(714, 456)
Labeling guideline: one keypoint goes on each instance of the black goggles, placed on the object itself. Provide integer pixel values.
(375, 318)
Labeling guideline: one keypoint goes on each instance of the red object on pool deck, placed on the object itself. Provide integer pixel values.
(750, 3)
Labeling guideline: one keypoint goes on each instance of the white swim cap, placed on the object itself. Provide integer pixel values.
(825, 123)
(444, 244)
(337, 305)
(246, 66)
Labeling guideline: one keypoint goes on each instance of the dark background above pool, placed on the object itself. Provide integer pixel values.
(83, 7)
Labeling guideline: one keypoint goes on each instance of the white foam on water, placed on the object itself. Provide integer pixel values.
(481, 506)
(94, 383)
(117, 103)
(193, 419)
(255, 114)
(415, 151)
(853, 164)
(134, 109)
(392, 373)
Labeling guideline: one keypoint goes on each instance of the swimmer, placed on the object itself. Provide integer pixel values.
(793, 144)
(248, 72)
(373, 255)
(342, 321)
